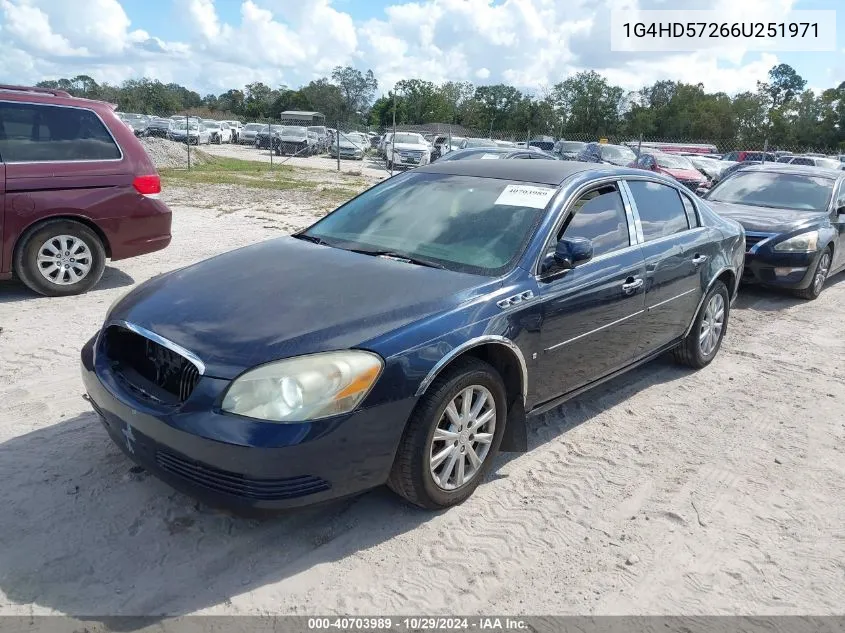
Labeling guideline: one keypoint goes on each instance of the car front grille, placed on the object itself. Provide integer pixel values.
(752, 239)
(147, 369)
(237, 484)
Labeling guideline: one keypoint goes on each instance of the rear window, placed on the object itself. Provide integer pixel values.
(45, 133)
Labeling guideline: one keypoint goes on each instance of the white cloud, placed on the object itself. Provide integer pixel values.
(528, 43)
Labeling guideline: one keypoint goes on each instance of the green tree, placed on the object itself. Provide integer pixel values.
(357, 88)
(588, 103)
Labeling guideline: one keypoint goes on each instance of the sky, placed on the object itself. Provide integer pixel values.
(213, 45)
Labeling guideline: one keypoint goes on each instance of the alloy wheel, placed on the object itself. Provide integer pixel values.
(463, 438)
(712, 324)
(64, 260)
(821, 272)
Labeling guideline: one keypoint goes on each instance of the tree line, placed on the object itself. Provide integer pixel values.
(780, 111)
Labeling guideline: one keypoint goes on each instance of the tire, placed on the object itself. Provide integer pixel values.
(820, 274)
(411, 476)
(26, 266)
(693, 351)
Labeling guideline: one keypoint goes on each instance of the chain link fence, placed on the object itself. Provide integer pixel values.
(279, 141)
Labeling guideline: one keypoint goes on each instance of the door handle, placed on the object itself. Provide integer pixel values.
(630, 286)
(698, 260)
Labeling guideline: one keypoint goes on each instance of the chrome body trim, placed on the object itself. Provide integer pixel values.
(638, 226)
(475, 342)
(598, 329)
(173, 347)
(683, 294)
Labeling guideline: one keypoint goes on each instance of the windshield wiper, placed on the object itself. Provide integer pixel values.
(400, 256)
(310, 238)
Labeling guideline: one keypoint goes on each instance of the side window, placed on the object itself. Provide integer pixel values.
(732, 156)
(840, 201)
(43, 133)
(599, 215)
(661, 211)
(798, 160)
(689, 207)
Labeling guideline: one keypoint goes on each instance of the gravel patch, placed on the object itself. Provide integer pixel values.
(168, 154)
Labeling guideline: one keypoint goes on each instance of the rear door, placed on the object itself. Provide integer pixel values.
(676, 249)
(592, 314)
(838, 222)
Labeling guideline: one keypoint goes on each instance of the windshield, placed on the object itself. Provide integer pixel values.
(211, 124)
(669, 161)
(617, 154)
(778, 191)
(479, 142)
(253, 127)
(180, 125)
(571, 146)
(465, 223)
(413, 139)
(293, 130)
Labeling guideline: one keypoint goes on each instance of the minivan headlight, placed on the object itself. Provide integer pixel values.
(304, 388)
(805, 242)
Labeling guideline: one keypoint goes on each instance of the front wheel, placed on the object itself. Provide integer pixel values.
(702, 343)
(819, 277)
(452, 437)
(59, 258)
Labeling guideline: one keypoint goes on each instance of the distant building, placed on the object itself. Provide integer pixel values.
(297, 117)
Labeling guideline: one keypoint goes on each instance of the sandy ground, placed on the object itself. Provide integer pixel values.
(663, 492)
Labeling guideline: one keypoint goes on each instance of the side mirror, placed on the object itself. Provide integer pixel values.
(569, 253)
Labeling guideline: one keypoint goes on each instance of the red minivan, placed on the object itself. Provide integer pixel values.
(76, 188)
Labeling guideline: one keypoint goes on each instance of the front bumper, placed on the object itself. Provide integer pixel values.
(783, 270)
(241, 464)
(409, 161)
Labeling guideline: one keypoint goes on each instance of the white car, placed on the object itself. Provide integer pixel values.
(235, 126)
(407, 149)
(218, 131)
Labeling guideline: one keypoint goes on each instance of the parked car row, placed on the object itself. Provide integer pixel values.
(464, 296)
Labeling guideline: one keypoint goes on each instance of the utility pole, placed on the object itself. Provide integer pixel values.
(393, 138)
(188, 138)
(337, 143)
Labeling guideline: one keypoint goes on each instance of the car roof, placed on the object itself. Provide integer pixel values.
(547, 172)
(788, 168)
(50, 97)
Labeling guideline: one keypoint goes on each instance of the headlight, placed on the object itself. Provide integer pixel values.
(804, 242)
(304, 388)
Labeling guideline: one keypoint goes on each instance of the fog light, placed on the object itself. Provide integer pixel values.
(782, 271)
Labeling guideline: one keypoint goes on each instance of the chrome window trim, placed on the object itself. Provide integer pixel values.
(69, 162)
(475, 342)
(598, 329)
(173, 347)
(561, 204)
(637, 212)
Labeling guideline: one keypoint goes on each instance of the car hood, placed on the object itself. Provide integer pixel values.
(685, 174)
(287, 297)
(350, 145)
(299, 138)
(766, 220)
(409, 146)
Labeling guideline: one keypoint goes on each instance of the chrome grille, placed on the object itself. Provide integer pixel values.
(147, 369)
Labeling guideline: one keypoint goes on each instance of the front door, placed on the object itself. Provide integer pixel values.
(839, 224)
(676, 250)
(591, 313)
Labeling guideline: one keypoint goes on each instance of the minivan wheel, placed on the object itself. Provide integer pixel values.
(452, 437)
(702, 343)
(59, 258)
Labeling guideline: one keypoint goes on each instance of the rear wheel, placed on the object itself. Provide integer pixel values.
(60, 257)
(819, 277)
(452, 437)
(702, 343)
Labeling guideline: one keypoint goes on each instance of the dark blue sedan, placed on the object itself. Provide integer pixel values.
(794, 218)
(404, 338)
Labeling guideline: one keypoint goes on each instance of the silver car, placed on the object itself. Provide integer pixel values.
(249, 132)
(195, 134)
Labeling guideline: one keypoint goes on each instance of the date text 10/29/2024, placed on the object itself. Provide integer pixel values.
(417, 623)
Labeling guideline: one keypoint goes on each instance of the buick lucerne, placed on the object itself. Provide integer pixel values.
(404, 337)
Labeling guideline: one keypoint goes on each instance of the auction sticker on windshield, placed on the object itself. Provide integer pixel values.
(525, 196)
